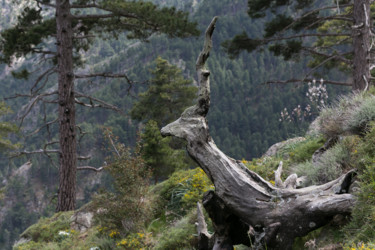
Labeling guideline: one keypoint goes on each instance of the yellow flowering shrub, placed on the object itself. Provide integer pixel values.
(114, 234)
(185, 188)
(198, 184)
(360, 246)
(135, 241)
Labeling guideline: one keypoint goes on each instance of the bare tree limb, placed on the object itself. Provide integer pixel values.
(44, 125)
(39, 151)
(40, 77)
(320, 64)
(92, 105)
(113, 145)
(83, 158)
(27, 108)
(91, 168)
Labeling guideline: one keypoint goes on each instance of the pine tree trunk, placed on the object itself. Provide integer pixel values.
(68, 158)
(361, 44)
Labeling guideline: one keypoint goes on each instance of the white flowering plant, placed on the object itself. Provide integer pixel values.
(317, 95)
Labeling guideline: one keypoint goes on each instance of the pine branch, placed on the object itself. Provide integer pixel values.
(338, 56)
(312, 12)
(307, 80)
(267, 40)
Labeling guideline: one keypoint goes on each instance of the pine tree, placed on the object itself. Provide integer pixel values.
(167, 96)
(158, 155)
(340, 31)
(72, 28)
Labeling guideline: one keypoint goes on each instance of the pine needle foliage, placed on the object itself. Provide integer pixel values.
(168, 94)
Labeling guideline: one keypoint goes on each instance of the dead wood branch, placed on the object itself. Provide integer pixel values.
(243, 201)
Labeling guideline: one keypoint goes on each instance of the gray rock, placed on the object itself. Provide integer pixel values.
(82, 221)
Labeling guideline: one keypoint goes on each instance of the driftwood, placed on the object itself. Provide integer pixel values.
(246, 209)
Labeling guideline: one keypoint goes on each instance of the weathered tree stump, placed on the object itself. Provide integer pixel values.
(244, 207)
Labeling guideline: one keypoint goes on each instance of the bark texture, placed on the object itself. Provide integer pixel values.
(244, 207)
(67, 130)
(361, 44)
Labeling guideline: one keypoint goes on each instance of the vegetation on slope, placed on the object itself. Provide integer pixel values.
(171, 223)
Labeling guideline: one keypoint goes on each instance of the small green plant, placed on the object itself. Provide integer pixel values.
(180, 236)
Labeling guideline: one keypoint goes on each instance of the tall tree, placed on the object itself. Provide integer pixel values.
(72, 28)
(168, 94)
(335, 33)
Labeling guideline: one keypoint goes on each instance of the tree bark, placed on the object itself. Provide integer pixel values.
(67, 133)
(274, 215)
(361, 44)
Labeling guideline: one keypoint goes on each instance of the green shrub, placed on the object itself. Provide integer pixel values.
(359, 116)
(304, 150)
(328, 167)
(361, 228)
(351, 114)
(127, 208)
